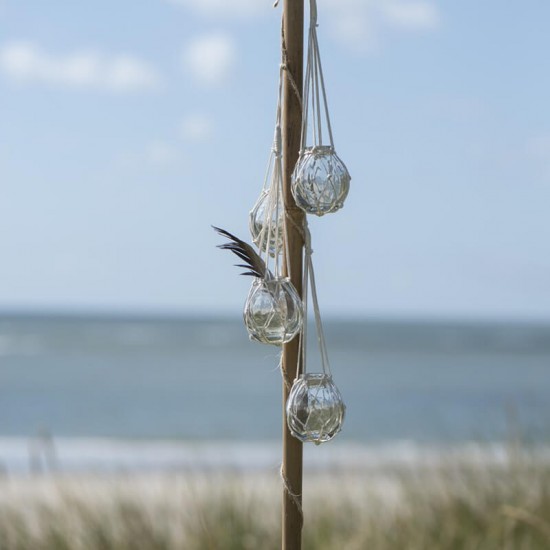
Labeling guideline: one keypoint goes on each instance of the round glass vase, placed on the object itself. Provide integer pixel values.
(314, 408)
(273, 311)
(320, 180)
(257, 220)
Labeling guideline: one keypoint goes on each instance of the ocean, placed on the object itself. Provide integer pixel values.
(148, 392)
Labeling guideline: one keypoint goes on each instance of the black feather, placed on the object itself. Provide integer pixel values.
(252, 262)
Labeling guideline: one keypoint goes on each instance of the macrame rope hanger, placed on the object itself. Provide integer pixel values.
(315, 96)
(309, 286)
(274, 225)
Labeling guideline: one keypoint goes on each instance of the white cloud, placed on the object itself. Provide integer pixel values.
(197, 127)
(359, 24)
(362, 24)
(211, 58)
(233, 9)
(356, 32)
(161, 154)
(26, 62)
(538, 152)
(539, 146)
(413, 15)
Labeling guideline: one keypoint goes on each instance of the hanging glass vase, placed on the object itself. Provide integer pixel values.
(273, 311)
(267, 217)
(320, 180)
(315, 410)
(266, 223)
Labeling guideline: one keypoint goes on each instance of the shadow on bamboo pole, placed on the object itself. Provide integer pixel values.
(293, 45)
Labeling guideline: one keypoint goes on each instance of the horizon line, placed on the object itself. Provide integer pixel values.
(167, 314)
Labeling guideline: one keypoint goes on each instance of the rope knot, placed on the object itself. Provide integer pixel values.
(277, 141)
(307, 238)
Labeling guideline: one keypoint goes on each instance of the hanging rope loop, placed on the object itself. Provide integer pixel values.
(315, 97)
(320, 180)
(312, 13)
(309, 287)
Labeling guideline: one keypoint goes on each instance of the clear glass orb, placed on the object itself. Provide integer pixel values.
(257, 220)
(314, 409)
(273, 311)
(320, 180)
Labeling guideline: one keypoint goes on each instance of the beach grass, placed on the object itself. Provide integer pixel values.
(447, 506)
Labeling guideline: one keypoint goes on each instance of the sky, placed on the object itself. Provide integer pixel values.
(128, 128)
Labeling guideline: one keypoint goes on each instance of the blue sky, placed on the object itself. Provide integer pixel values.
(127, 128)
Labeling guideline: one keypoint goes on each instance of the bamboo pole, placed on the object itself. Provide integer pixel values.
(293, 38)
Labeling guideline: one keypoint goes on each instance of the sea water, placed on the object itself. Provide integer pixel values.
(172, 392)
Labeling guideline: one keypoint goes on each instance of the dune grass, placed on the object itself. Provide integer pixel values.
(448, 507)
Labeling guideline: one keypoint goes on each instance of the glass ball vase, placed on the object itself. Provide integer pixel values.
(257, 221)
(314, 409)
(320, 180)
(273, 311)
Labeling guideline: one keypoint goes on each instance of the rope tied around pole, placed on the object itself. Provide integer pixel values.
(285, 67)
(296, 498)
(284, 374)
